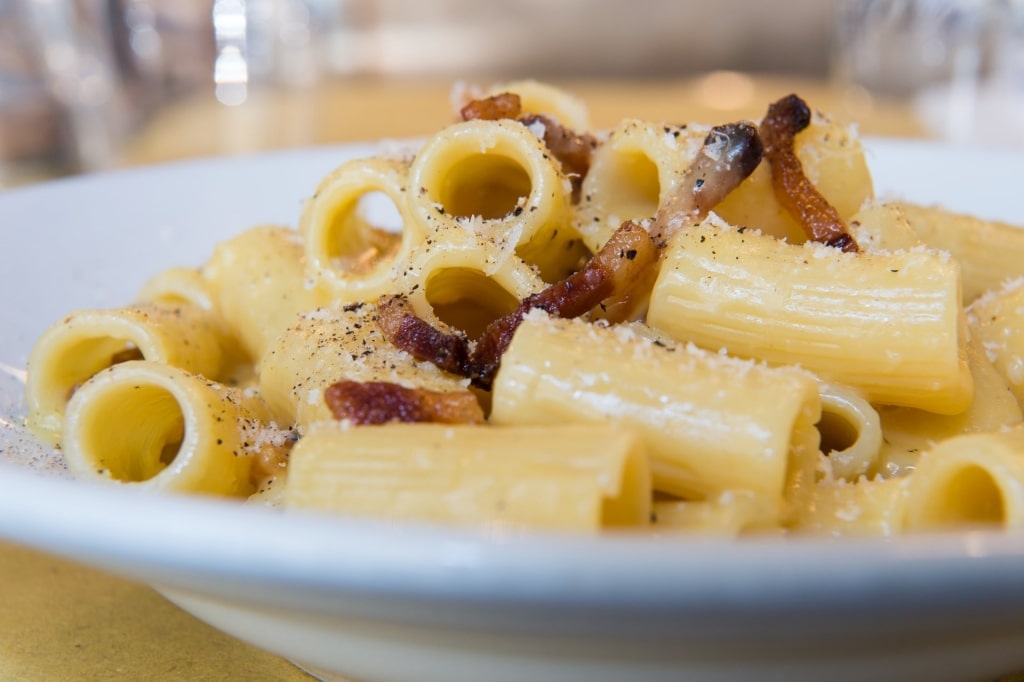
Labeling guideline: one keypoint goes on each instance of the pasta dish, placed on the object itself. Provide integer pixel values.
(673, 327)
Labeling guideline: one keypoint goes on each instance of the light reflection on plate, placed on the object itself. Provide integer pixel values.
(386, 602)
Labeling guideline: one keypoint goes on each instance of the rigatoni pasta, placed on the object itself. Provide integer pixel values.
(888, 324)
(565, 477)
(497, 179)
(71, 351)
(711, 423)
(348, 255)
(261, 283)
(971, 480)
(770, 383)
(325, 344)
(163, 428)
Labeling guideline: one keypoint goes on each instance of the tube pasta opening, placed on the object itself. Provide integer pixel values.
(148, 439)
(362, 245)
(965, 495)
(160, 427)
(632, 173)
(467, 299)
(496, 179)
(630, 186)
(467, 283)
(975, 497)
(89, 341)
(487, 185)
(969, 480)
(357, 229)
(837, 432)
(633, 188)
(851, 434)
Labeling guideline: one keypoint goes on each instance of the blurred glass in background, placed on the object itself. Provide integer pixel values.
(958, 63)
(80, 78)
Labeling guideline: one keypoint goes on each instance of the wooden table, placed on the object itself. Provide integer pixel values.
(65, 622)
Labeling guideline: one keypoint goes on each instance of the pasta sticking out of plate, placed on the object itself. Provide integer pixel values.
(674, 328)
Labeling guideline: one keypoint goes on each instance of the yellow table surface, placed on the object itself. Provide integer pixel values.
(61, 621)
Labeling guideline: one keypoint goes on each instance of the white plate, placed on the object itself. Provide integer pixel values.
(382, 602)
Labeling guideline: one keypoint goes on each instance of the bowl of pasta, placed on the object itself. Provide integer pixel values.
(524, 400)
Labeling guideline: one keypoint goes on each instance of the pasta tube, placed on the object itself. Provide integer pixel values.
(883, 227)
(259, 279)
(187, 286)
(466, 283)
(633, 172)
(909, 432)
(162, 428)
(864, 507)
(832, 159)
(496, 179)
(178, 286)
(87, 341)
(640, 165)
(851, 432)
(997, 320)
(548, 100)
(975, 479)
(568, 477)
(329, 344)
(989, 252)
(352, 258)
(889, 325)
(711, 423)
(731, 514)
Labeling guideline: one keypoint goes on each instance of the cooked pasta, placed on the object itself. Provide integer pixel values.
(969, 480)
(769, 379)
(711, 423)
(497, 179)
(161, 427)
(561, 477)
(87, 341)
(888, 324)
(348, 255)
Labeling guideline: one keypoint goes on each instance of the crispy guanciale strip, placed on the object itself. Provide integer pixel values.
(407, 331)
(796, 193)
(494, 108)
(624, 264)
(573, 150)
(609, 272)
(730, 153)
(381, 402)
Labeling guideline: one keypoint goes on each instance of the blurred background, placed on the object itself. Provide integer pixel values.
(92, 84)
